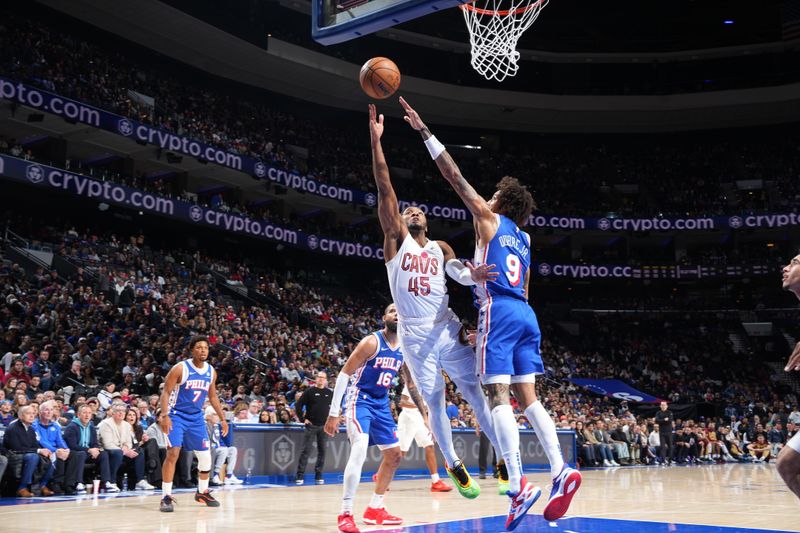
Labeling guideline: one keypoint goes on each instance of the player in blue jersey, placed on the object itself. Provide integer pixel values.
(367, 376)
(186, 388)
(508, 338)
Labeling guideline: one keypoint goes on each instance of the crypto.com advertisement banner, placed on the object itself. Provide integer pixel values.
(87, 114)
(56, 179)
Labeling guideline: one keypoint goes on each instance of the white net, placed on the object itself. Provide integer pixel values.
(495, 26)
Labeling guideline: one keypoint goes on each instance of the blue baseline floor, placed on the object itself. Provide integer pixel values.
(537, 524)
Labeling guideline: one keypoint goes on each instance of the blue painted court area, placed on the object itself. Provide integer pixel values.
(537, 524)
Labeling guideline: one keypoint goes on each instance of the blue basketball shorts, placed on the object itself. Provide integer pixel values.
(373, 417)
(508, 338)
(188, 432)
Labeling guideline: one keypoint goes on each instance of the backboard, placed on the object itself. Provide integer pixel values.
(336, 21)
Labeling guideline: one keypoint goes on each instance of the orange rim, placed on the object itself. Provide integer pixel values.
(501, 12)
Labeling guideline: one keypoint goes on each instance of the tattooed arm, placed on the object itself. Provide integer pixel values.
(416, 397)
(486, 223)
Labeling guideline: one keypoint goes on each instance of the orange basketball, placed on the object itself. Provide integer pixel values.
(379, 78)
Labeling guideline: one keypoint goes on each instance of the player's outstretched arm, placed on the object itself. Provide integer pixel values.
(365, 349)
(394, 230)
(173, 377)
(484, 218)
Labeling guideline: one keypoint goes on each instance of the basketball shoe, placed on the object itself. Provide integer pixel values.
(167, 504)
(440, 486)
(464, 482)
(347, 523)
(565, 485)
(206, 498)
(380, 516)
(521, 503)
(502, 478)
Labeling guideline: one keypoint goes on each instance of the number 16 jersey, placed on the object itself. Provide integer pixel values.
(376, 376)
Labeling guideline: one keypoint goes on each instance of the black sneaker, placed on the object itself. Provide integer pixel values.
(206, 498)
(502, 471)
(167, 503)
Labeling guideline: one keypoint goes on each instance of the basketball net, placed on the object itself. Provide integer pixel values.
(494, 29)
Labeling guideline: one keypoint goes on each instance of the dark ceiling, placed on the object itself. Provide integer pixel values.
(632, 25)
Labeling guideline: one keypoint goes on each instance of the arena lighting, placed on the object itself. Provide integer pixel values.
(728, 22)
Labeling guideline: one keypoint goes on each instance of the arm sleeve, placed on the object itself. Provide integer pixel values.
(457, 271)
(338, 393)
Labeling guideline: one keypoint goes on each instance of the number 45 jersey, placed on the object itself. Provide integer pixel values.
(367, 406)
(416, 279)
(508, 335)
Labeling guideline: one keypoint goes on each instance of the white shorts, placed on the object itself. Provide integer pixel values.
(429, 347)
(411, 427)
(794, 442)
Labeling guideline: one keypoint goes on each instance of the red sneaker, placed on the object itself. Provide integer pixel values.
(440, 486)
(521, 502)
(347, 523)
(381, 516)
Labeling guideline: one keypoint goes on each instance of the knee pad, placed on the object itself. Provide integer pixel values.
(203, 460)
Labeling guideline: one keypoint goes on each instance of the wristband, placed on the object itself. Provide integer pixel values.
(435, 148)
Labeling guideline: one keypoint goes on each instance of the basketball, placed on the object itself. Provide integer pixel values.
(379, 78)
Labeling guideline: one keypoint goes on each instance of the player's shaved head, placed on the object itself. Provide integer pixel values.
(390, 317)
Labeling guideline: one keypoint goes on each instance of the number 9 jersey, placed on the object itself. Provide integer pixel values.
(508, 335)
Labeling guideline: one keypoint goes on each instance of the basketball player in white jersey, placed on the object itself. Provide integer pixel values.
(411, 427)
(789, 458)
(430, 333)
(508, 337)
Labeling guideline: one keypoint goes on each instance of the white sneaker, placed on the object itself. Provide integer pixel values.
(216, 480)
(80, 488)
(298, 481)
(233, 480)
(614, 463)
(606, 463)
(111, 487)
(144, 485)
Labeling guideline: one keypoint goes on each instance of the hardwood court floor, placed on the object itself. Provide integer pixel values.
(736, 496)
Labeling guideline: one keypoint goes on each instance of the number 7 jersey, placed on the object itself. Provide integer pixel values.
(509, 249)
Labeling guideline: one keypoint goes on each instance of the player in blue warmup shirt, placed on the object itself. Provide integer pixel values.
(508, 337)
(187, 386)
(367, 376)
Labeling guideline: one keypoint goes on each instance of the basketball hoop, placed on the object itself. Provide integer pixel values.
(494, 27)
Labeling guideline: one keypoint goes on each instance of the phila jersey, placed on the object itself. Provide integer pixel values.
(190, 395)
(509, 249)
(416, 279)
(377, 375)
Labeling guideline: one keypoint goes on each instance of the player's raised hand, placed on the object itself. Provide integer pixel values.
(794, 359)
(482, 273)
(375, 124)
(412, 117)
(332, 425)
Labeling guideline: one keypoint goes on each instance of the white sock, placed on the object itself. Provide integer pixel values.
(546, 431)
(202, 485)
(505, 427)
(377, 501)
(166, 488)
(440, 426)
(434, 478)
(352, 472)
